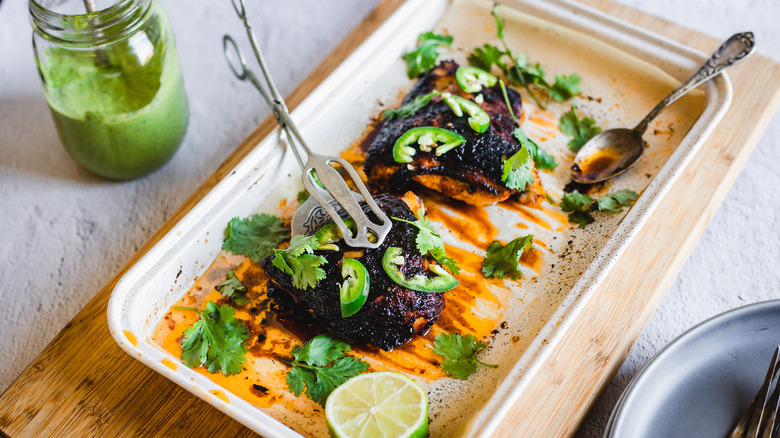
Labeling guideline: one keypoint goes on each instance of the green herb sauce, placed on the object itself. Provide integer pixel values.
(123, 112)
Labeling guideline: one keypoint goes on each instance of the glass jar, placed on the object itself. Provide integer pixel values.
(112, 81)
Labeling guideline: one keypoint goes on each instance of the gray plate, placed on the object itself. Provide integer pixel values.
(701, 383)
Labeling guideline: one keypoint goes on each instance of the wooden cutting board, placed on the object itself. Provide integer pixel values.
(83, 384)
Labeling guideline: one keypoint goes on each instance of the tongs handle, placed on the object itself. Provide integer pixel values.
(369, 234)
(275, 100)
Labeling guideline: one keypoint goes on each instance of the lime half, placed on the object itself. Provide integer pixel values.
(381, 404)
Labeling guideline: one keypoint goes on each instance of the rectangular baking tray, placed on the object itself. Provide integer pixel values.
(337, 113)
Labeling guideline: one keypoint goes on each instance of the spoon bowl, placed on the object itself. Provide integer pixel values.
(613, 151)
(608, 154)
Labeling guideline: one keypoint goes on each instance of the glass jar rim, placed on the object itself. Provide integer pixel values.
(90, 29)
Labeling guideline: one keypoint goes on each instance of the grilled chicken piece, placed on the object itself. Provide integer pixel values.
(470, 172)
(392, 314)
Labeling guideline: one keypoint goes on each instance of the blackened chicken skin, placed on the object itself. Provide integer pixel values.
(392, 314)
(470, 172)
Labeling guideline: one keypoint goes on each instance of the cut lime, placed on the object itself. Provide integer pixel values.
(381, 404)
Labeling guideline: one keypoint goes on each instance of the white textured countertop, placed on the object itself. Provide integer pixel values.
(64, 232)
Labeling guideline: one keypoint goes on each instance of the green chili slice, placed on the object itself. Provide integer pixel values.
(471, 79)
(479, 120)
(428, 138)
(392, 262)
(329, 234)
(354, 291)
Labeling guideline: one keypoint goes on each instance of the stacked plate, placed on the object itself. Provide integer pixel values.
(701, 383)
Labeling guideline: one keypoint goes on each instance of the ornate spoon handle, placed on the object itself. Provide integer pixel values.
(736, 48)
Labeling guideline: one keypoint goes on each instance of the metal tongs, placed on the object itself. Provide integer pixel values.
(336, 192)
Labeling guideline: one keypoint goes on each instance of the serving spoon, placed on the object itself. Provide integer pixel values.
(613, 151)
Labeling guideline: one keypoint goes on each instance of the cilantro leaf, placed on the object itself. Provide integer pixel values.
(320, 350)
(615, 202)
(441, 258)
(410, 108)
(327, 379)
(581, 218)
(233, 288)
(302, 196)
(298, 260)
(581, 130)
(460, 354)
(427, 238)
(423, 58)
(504, 261)
(429, 242)
(298, 379)
(580, 206)
(574, 201)
(518, 170)
(484, 57)
(319, 366)
(541, 158)
(217, 340)
(300, 244)
(565, 87)
(254, 237)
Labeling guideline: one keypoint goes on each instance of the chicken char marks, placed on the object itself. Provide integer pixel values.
(392, 314)
(470, 172)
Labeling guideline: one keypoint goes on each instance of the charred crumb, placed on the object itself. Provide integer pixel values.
(260, 388)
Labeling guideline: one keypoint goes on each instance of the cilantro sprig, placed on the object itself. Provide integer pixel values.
(232, 288)
(423, 58)
(460, 354)
(410, 108)
(503, 261)
(542, 159)
(430, 242)
(217, 340)
(319, 366)
(580, 207)
(299, 261)
(520, 71)
(581, 130)
(255, 236)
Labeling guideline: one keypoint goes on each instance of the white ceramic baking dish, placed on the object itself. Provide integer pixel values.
(620, 84)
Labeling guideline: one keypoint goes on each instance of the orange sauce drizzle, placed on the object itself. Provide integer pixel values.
(220, 395)
(131, 338)
(471, 224)
(170, 364)
(274, 333)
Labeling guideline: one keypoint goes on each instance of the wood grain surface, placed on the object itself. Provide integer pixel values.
(83, 384)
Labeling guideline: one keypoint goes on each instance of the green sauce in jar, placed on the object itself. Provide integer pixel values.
(120, 108)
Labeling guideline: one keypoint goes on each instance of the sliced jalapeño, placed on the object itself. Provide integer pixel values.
(479, 120)
(471, 79)
(354, 291)
(428, 138)
(442, 282)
